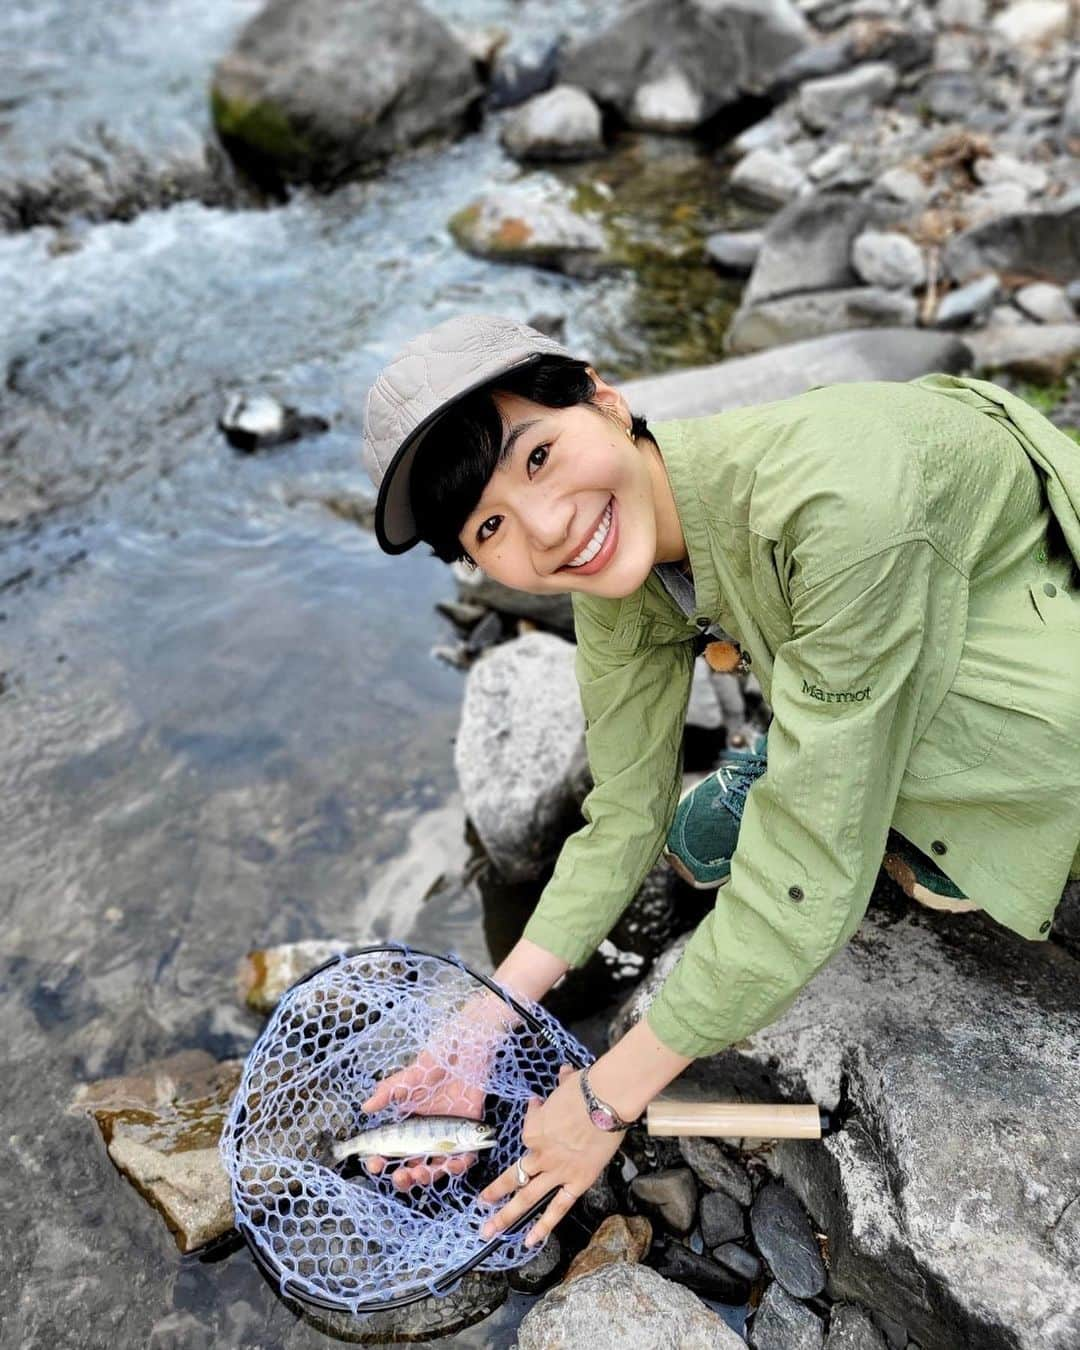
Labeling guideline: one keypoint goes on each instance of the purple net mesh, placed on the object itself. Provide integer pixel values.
(354, 1242)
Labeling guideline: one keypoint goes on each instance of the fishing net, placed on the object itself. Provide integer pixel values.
(333, 1235)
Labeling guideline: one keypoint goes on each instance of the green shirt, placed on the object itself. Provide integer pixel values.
(897, 560)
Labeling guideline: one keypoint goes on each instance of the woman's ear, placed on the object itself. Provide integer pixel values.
(609, 398)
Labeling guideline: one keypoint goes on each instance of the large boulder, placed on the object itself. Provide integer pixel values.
(952, 1048)
(776, 323)
(627, 1305)
(520, 752)
(563, 123)
(672, 66)
(318, 91)
(1042, 244)
(884, 354)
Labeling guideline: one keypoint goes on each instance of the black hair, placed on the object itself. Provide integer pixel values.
(445, 487)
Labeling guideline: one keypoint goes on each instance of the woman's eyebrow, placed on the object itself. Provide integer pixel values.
(511, 440)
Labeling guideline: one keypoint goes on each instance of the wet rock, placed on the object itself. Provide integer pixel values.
(714, 1169)
(721, 1219)
(1032, 23)
(475, 587)
(794, 317)
(522, 72)
(670, 1196)
(626, 1305)
(621, 1237)
(563, 123)
(893, 354)
(531, 226)
(851, 1329)
(265, 974)
(768, 178)
(256, 421)
(1044, 241)
(1044, 302)
(885, 258)
(161, 1127)
(540, 1272)
(970, 304)
(783, 1234)
(783, 1323)
(698, 1272)
(1042, 353)
(520, 752)
(324, 90)
(823, 103)
(734, 251)
(665, 68)
(738, 1260)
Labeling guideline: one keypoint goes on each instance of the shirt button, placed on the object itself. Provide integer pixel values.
(1049, 589)
(795, 893)
(1044, 927)
(938, 847)
(701, 623)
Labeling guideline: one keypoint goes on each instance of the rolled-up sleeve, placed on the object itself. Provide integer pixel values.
(635, 707)
(846, 692)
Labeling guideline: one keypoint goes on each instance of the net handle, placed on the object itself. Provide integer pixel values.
(447, 1282)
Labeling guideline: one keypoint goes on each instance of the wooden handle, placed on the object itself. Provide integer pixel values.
(735, 1120)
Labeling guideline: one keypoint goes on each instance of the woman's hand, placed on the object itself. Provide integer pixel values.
(565, 1150)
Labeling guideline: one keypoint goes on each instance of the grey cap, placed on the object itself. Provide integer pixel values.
(411, 393)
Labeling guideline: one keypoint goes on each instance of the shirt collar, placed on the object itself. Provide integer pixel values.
(679, 463)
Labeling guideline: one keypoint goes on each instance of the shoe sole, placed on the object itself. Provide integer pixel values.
(681, 870)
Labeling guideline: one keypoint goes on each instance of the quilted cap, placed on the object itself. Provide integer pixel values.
(431, 372)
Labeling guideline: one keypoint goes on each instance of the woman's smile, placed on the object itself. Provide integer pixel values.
(600, 546)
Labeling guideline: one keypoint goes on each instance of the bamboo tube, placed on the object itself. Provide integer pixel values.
(736, 1120)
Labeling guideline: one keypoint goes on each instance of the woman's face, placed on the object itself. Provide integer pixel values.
(575, 505)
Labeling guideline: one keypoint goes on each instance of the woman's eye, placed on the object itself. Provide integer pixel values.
(538, 457)
(488, 528)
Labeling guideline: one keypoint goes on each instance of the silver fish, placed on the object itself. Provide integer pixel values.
(416, 1137)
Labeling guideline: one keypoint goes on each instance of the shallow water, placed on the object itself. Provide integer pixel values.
(221, 720)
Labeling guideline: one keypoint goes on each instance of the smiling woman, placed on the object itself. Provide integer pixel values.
(872, 550)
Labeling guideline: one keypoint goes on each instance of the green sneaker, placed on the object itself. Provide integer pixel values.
(705, 830)
(920, 879)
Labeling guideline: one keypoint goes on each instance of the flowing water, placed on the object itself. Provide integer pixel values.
(222, 724)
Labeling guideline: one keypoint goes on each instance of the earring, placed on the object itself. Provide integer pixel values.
(630, 435)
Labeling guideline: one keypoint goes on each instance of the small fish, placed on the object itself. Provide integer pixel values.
(415, 1137)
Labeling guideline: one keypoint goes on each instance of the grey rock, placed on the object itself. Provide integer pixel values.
(563, 123)
(1045, 302)
(850, 1328)
(520, 752)
(885, 258)
(901, 185)
(783, 1323)
(698, 1272)
(1072, 292)
(970, 304)
(522, 70)
(1070, 113)
(823, 103)
(779, 322)
(949, 95)
(893, 354)
(830, 162)
(600, 1199)
(962, 13)
(703, 711)
(1067, 919)
(531, 225)
(721, 1219)
(714, 1169)
(734, 251)
(1038, 352)
(477, 588)
(671, 68)
(825, 58)
(1009, 316)
(773, 131)
(738, 1260)
(538, 1273)
(994, 200)
(1048, 240)
(1003, 168)
(332, 87)
(627, 1305)
(1032, 23)
(670, 1196)
(807, 247)
(783, 1235)
(767, 178)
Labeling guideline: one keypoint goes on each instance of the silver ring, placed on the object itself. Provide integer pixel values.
(523, 1177)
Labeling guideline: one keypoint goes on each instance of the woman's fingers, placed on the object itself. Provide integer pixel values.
(561, 1204)
(524, 1199)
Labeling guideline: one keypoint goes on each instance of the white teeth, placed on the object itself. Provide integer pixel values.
(596, 543)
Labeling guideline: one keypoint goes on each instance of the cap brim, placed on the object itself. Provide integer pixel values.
(395, 524)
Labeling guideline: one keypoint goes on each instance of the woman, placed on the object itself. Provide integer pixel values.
(895, 562)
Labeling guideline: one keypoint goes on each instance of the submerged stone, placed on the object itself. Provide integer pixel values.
(267, 972)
